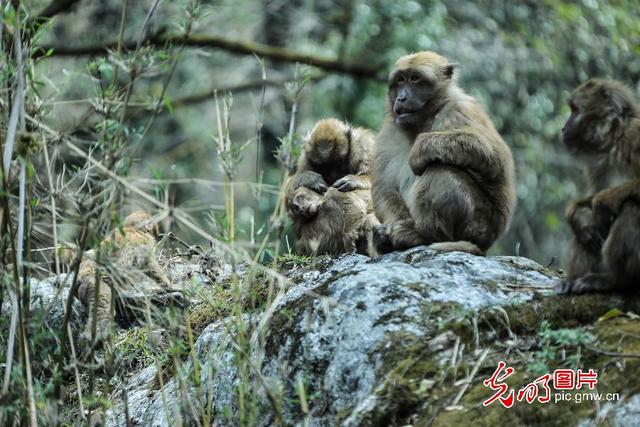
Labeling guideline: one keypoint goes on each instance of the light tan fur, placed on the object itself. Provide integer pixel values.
(329, 197)
(128, 255)
(442, 173)
(335, 154)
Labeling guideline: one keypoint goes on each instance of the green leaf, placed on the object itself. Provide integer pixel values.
(553, 221)
(167, 103)
(611, 314)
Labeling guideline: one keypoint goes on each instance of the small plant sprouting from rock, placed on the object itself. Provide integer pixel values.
(563, 344)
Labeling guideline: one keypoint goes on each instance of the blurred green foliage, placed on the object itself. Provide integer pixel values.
(520, 59)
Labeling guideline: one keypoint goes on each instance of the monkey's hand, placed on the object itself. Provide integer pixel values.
(607, 204)
(313, 181)
(583, 224)
(350, 183)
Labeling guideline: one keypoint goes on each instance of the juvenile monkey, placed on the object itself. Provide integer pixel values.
(337, 155)
(338, 219)
(332, 223)
(604, 132)
(129, 255)
(442, 175)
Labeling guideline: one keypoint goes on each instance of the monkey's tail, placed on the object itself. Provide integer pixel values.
(461, 246)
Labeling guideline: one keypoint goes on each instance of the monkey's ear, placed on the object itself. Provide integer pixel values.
(618, 102)
(449, 68)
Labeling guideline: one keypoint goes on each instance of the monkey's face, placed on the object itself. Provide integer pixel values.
(141, 221)
(305, 203)
(596, 112)
(415, 94)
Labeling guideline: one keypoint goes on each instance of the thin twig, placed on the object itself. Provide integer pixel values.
(242, 47)
(74, 363)
(165, 86)
(123, 16)
(470, 378)
(54, 211)
(613, 353)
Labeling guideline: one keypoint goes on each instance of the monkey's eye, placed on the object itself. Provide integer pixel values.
(400, 79)
(414, 78)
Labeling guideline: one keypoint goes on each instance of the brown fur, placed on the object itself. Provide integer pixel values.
(129, 254)
(603, 131)
(338, 219)
(442, 173)
(340, 224)
(335, 154)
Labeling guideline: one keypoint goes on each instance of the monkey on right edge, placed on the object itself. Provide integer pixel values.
(604, 131)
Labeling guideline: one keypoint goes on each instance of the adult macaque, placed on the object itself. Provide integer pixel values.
(604, 132)
(442, 175)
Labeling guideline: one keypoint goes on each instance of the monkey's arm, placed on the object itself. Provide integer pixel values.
(462, 148)
(581, 220)
(353, 182)
(607, 203)
(394, 213)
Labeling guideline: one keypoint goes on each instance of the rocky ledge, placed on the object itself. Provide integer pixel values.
(404, 339)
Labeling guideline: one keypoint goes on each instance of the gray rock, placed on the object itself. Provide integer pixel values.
(624, 413)
(333, 334)
(49, 297)
(51, 294)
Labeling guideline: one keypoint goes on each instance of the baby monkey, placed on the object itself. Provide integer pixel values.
(336, 219)
(332, 223)
(128, 257)
(337, 155)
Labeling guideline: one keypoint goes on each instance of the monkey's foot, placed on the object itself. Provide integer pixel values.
(403, 234)
(459, 246)
(591, 283)
(381, 240)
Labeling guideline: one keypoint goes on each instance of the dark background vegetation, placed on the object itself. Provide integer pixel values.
(179, 107)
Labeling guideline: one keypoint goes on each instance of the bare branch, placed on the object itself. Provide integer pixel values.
(240, 47)
(207, 95)
(56, 7)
